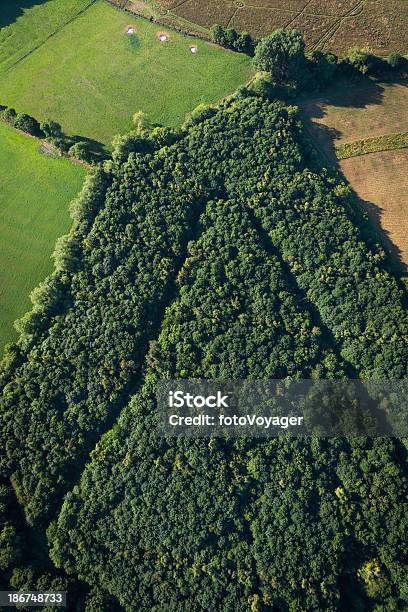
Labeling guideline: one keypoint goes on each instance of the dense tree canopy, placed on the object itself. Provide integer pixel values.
(230, 38)
(216, 524)
(209, 252)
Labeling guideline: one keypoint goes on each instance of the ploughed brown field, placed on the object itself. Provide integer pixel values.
(335, 25)
(356, 111)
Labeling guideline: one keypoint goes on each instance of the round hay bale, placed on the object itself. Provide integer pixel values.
(163, 36)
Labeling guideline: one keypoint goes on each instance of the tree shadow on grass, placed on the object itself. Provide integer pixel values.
(133, 41)
(98, 150)
(11, 10)
(356, 93)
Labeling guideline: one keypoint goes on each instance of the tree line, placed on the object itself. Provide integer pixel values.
(51, 131)
(282, 55)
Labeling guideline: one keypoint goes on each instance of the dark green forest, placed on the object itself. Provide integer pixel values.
(214, 251)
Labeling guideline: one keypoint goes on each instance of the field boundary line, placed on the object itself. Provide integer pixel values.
(282, 10)
(270, 8)
(178, 5)
(232, 16)
(182, 25)
(279, 9)
(28, 53)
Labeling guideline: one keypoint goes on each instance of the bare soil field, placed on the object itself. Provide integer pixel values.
(259, 21)
(367, 110)
(336, 25)
(312, 26)
(381, 183)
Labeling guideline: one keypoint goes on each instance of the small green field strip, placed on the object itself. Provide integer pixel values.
(389, 142)
(35, 190)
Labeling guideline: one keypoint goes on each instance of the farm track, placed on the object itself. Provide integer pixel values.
(50, 36)
(230, 20)
(178, 5)
(300, 13)
(281, 10)
(328, 35)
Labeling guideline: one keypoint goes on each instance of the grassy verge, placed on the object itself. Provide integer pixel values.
(35, 190)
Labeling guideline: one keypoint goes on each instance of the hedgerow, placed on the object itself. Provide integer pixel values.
(389, 142)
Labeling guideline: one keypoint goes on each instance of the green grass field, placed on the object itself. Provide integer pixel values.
(32, 22)
(35, 190)
(92, 76)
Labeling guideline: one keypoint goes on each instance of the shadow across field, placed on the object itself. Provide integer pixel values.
(96, 148)
(10, 11)
(133, 42)
(375, 214)
(356, 94)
